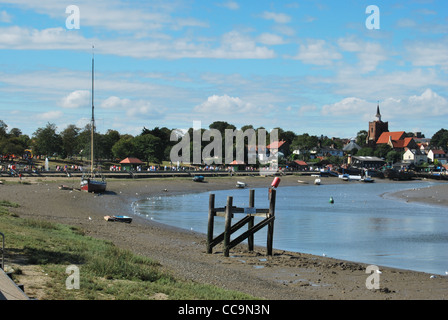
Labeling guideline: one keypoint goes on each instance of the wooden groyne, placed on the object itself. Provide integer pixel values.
(251, 212)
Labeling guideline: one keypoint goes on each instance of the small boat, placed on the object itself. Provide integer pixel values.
(301, 181)
(89, 182)
(317, 181)
(367, 179)
(198, 178)
(240, 184)
(125, 219)
(64, 187)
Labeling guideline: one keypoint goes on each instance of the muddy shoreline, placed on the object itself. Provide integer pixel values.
(283, 276)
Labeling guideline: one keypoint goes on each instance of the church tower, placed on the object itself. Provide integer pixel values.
(376, 128)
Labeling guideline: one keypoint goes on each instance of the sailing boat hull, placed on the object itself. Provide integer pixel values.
(94, 186)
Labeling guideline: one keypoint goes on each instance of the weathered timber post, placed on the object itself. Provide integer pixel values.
(250, 212)
(211, 222)
(228, 224)
(250, 223)
(270, 236)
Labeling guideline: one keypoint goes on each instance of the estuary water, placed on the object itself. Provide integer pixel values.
(362, 225)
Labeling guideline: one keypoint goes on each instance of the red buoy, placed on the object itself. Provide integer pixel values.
(275, 182)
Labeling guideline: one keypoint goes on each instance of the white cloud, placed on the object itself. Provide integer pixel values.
(132, 108)
(277, 17)
(224, 105)
(52, 38)
(50, 115)
(429, 53)
(232, 5)
(369, 54)
(270, 39)
(236, 45)
(396, 109)
(76, 99)
(317, 52)
(5, 17)
(349, 107)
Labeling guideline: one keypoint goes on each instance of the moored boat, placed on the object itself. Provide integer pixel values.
(89, 182)
(125, 219)
(198, 178)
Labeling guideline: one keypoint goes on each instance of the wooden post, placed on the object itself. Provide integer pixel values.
(271, 213)
(250, 223)
(211, 222)
(228, 224)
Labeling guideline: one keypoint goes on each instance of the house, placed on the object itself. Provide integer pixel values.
(351, 146)
(415, 156)
(437, 154)
(367, 162)
(300, 165)
(397, 140)
(327, 152)
(277, 149)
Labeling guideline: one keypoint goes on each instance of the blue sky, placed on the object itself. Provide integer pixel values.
(306, 66)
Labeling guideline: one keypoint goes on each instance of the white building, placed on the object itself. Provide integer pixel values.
(415, 156)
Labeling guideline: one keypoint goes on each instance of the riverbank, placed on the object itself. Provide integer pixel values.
(284, 276)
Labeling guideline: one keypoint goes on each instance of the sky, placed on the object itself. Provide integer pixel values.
(317, 67)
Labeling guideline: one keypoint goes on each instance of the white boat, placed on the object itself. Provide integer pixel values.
(317, 181)
(240, 184)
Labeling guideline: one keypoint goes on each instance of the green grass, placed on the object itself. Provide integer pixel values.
(106, 271)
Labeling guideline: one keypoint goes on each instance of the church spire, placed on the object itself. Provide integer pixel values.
(378, 114)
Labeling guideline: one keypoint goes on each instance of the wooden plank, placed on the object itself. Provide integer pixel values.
(221, 212)
(9, 290)
(233, 228)
(246, 234)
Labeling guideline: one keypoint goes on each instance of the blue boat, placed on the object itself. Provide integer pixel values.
(198, 178)
(125, 219)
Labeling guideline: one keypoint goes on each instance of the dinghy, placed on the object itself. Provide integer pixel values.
(125, 219)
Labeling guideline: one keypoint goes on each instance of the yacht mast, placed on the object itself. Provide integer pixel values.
(92, 125)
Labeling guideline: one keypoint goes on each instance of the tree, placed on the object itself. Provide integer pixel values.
(361, 138)
(123, 148)
(393, 156)
(365, 152)
(440, 139)
(46, 141)
(148, 148)
(109, 140)
(382, 150)
(3, 127)
(69, 138)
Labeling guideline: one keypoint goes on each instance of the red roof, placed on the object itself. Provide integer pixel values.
(300, 162)
(438, 151)
(131, 161)
(276, 144)
(395, 136)
(401, 143)
(236, 162)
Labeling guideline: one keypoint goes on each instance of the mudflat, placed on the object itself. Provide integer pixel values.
(282, 276)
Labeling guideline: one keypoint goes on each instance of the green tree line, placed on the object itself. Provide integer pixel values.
(154, 145)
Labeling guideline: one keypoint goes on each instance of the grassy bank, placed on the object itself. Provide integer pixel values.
(106, 271)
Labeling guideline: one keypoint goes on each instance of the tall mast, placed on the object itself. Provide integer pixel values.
(92, 125)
